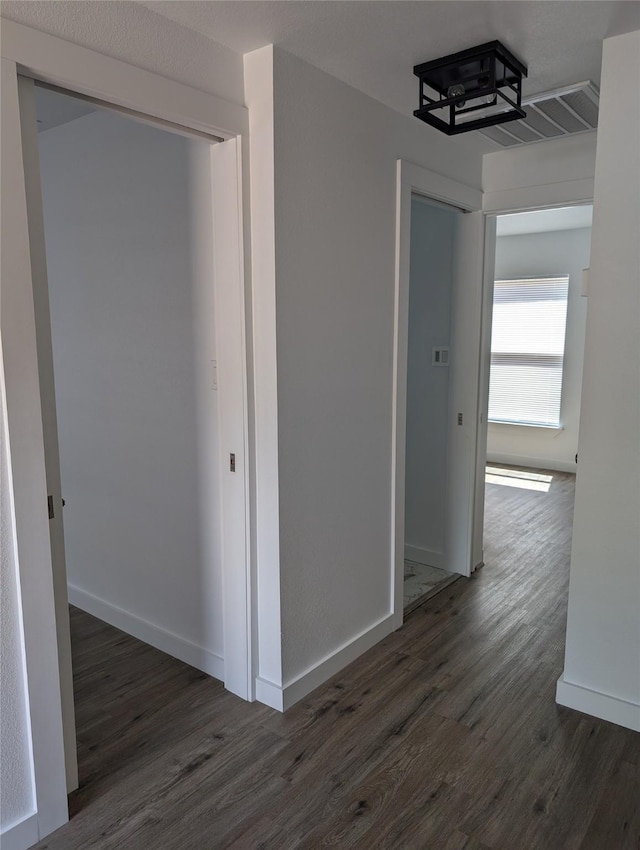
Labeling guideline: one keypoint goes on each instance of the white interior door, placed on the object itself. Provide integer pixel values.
(234, 449)
(463, 536)
(28, 470)
(483, 387)
(29, 128)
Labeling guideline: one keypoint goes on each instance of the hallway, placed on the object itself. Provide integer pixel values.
(444, 736)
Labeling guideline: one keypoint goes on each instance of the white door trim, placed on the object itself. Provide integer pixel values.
(29, 134)
(28, 476)
(61, 63)
(410, 179)
(69, 66)
(483, 386)
(228, 269)
(464, 409)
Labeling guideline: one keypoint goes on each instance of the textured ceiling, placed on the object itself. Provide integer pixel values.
(374, 45)
(369, 45)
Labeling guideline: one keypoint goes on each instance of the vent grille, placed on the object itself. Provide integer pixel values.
(563, 112)
(539, 123)
(560, 115)
(583, 106)
(522, 132)
(500, 137)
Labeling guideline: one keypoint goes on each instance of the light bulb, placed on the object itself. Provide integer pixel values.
(455, 91)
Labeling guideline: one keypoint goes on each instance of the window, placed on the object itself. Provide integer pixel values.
(527, 351)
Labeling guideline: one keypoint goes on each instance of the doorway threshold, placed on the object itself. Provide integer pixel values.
(421, 582)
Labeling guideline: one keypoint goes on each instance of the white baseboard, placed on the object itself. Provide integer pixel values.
(282, 698)
(597, 704)
(268, 693)
(185, 650)
(532, 462)
(424, 556)
(21, 835)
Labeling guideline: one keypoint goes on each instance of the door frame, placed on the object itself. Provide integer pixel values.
(413, 179)
(180, 108)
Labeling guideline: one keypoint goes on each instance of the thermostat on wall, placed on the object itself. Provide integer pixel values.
(440, 356)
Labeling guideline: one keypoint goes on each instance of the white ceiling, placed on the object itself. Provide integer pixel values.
(373, 46)
(544, 221)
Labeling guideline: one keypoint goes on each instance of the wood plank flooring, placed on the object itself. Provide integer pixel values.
(445, 736)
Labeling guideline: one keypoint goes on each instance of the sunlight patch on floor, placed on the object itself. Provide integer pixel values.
(521, 478)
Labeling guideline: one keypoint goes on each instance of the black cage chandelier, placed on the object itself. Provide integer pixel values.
(475, 88)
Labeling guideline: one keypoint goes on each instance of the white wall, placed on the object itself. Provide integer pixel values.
(16, 764)
(557, 172)
(335, 216)
(602, 662)
(132, 329)
(530, 255)
(431, 269)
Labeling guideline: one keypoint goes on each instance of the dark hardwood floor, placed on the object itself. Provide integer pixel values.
(445, 736)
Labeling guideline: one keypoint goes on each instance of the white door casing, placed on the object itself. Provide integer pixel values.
(464, 393)
(226, 170)
(483, 387)
(28, 122)
(29, 479)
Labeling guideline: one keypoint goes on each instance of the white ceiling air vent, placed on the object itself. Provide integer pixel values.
(552, 114)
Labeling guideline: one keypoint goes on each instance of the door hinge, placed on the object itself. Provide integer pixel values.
(50, 506)
(232, 462)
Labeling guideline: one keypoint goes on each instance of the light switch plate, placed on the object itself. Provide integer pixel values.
(440, 356)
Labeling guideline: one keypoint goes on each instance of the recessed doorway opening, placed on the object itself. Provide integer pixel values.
(430, 294)
(135, 416)
(438, 309)
(537, 322)
(123, 295)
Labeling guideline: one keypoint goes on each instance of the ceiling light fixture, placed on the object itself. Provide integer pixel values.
(475, 88)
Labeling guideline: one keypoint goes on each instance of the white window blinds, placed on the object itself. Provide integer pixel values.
(527, 350)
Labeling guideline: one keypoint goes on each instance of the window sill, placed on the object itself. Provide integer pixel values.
(526, 425)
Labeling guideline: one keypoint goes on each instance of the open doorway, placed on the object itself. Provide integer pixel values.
(135, 419)
(537, 346)
(430, 295)
(448, 342)
(134, 356)
(27, 376)
(126, 331)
